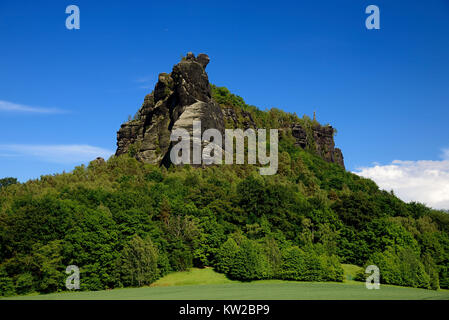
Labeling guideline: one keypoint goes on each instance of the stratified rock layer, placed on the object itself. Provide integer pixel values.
(184, 95)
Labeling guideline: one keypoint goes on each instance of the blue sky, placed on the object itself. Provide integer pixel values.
(64, 93)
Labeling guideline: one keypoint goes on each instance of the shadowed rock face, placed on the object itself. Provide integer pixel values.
(184, 95)
(324, 144)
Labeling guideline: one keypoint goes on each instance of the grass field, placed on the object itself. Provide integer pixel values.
(205, 284)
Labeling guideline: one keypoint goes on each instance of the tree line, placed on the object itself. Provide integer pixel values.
(125, 223)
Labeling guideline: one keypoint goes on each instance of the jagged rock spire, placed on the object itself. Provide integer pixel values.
(177, 99)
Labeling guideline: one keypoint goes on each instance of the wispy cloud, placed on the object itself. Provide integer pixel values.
(142, 79)
(144, 82)
(425, 181)
(445, 154)
(146, 87)
(14, 107)
(64, 154)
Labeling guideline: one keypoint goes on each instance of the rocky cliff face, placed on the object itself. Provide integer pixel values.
(177, 99)
(184, 95)
(323, 142)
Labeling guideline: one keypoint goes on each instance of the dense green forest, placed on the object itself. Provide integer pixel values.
(125, 223)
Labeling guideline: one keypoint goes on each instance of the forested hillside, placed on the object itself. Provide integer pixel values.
(126, 223)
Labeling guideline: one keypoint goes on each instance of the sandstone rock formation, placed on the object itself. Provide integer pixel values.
(177, 99)
(323, 142)
(184, 95)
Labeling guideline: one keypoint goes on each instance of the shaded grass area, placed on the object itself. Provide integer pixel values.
(206, 284)
(194, 276)
(351, 271)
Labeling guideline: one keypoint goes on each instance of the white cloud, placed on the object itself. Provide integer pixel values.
(425, 181)
(65, 154)
(14, 107)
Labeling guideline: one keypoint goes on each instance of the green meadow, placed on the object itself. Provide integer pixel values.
(206, 284)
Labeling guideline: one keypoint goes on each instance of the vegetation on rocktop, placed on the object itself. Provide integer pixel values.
(125, 223)
(242, 115)
(270, 119)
